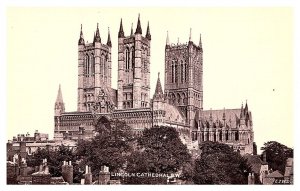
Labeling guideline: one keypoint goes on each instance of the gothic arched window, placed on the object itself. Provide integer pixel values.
(185, 72)
(132, 58)
(87, 65)
(92, 64)
(236, 136)
(182, 72)
(127, 58)
(102, 64)
(178, 99)
(172, 72)
(176, 71)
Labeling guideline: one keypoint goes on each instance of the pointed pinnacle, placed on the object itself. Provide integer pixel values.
(121, 32)
(167, 40)
(81, 39)
(59, 98)
(148, 35)
(200, 42)
(108, 39)
(138, 27)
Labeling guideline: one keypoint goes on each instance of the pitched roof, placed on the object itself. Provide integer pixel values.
(254, 161)
(174, 114)
(275, 174)
(57, 180)
(231, 115)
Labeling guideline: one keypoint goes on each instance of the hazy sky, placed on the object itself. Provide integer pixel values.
(247, 56)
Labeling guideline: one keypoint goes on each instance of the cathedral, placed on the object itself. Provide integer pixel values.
(179, 105)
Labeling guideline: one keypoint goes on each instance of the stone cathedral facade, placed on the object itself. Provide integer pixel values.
(180, 105)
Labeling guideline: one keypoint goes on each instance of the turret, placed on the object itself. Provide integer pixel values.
(242, 111)
(81, 55)
(121, 68)
(242, 117)
(59, 103)
(158, 105)
(137, 74)
(158, 94)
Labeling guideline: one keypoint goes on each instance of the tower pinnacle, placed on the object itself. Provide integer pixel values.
(158, 94)
(108, 39)
(190, 38)
(167, 41)
(138, 27)
(97, 36)
(59, 98)
(59, 103)
(200, 42)
(148, 35)
(242, 111)
(121, 32)
(81, 39)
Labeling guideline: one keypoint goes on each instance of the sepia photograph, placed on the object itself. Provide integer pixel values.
(149, 95)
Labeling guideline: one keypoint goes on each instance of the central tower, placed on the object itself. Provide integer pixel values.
(183, 78)
(134, 68)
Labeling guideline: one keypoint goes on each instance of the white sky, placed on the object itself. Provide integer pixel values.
(248, 55)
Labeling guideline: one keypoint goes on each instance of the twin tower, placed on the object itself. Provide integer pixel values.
(94, 69)
(183, 72)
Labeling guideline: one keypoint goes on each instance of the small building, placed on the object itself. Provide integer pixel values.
(273, 178)
(27, 145)
(259, 167)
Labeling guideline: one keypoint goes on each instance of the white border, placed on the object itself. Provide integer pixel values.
(153, 3)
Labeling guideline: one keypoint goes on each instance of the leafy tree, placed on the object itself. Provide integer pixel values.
(276, 155)
(160, 150)
(110, 147)
(219, 164)
(54, 158)
(37, 157)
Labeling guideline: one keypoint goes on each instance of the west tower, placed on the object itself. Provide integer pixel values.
(94, 70)
(134, 68)
(183, 78)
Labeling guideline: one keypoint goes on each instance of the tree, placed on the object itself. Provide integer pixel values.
(160, 150)
(276, 155)
(219, 164)
(54, 158)
(110, 147)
